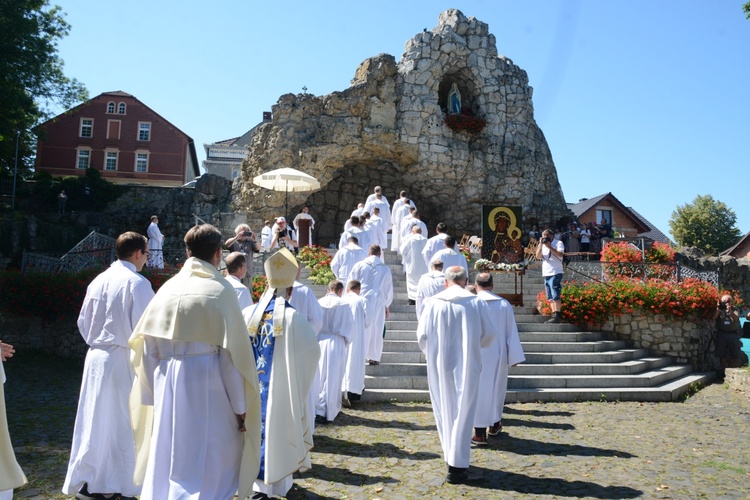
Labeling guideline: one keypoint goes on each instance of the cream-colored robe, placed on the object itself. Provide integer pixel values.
(198, 305)
(11, 475)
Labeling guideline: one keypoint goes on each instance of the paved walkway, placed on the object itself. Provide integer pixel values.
(696, 449)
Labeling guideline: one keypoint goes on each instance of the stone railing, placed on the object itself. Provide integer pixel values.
(684, 341)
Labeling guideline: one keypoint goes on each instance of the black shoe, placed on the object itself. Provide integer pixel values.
(555, 318)
(351, 396)
(457, 475)
(321, 420)
(412, 302)
(259, 496)
(83, 493)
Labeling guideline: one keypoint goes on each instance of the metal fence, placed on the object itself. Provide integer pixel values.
(597, 271)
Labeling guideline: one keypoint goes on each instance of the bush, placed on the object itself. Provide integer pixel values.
(317, 259)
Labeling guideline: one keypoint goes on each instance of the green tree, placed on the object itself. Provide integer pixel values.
(705, 223)
(746, 9)
(32, 83)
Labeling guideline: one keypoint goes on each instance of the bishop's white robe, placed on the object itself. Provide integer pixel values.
(195, 373)
(243, 292)
(354, 374)
(451, 258)
(453, 328)
(11, 475)
(345, 259)
(411, 256)
(333, 338)
(377, 290)
(287, 430)
(114, 303)
(504, 352)
(429, 284)
(434, 245)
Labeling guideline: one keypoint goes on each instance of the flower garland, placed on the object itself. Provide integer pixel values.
(487, 265)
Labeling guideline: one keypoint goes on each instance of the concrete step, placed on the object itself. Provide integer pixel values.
(400, 395)
(393, 382)
(557, 358)
(622, 368)
(397, 370)
(577, 347)
(645, 379)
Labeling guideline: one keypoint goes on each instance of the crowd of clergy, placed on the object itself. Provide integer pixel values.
(197, 392)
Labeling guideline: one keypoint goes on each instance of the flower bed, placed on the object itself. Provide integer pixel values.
(319, 261)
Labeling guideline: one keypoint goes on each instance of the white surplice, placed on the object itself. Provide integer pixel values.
(398, 214)
(434, 245)
(345, 259)
(451, 258)
(380, 235)
(454, 326)
(333, 338)
(407, 223)
(354, 374)
(385, 210)
(504, 352)
(377, 290)
(411, 256)
(155, 243)
(114, 302)
(429, 284)
(243, 293)
(194, 332)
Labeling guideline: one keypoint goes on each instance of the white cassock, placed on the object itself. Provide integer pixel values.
(411, 256)
(265, 238)
(399, 203)
(306, 303)
(399, 212)
(451, 258)
(434, 245)
(380, 235)
(295, 223)
(377, 290)
(195, 373)
(409, 222)
(334, 336)
(504, 352)
(155, 242)
(11, 475)
(385, 210)
(354, 374)
(292, 353)
(345, 259)
(429, 284)
(453, 328)
(372, 197)
(115, 301)
(358, 211)
(362, 237)
(243, 292)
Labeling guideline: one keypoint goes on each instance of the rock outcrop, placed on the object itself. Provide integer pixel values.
(388, 128)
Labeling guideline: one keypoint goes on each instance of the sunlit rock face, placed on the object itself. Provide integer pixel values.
(389, 129)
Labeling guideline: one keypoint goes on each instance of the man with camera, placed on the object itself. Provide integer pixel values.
(551, 251)
(728, 335)
(244, 241)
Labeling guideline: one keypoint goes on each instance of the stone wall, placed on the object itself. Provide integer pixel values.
(683, 341)
(734, 274)
(60, 338)
(388, 129)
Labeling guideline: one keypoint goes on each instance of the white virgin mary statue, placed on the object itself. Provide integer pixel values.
(454, 100)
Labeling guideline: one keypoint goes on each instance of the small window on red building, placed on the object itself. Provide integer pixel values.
(121, 108)
(110, 107)
(87, 127)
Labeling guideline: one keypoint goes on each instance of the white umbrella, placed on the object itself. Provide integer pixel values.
(287, 180)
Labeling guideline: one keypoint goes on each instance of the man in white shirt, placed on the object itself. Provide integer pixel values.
(236, 269)
(451, 257)
(551, 252)
(114, 303)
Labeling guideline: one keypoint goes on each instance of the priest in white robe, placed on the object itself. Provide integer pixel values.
(375, 192)
(451, 257)
(333, 339)
(430, 284)
(236, 271)
(286, 354)
(343, 262)
(400, 210)
(155, 244)
(504, 351)
(413, 219)
(380, 202)
(11, 475)
(304, 214)
(354, 374)
(195, 406)
(436, 243)
(378, 228)
(377, 290)
(414, 265)
(355, 230)
(454, 326)
(114, 303)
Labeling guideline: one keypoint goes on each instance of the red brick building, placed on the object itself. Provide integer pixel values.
(115, 133)
(740, 250)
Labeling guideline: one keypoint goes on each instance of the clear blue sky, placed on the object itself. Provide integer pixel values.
(646, 99)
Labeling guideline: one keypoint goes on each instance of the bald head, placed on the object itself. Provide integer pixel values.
(483, 281)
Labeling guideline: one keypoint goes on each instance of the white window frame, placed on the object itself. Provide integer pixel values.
(86, 126)
(144, 126)
(601, 210)
(121, 109)
(80, 154)
(111, 107)
(138, 155)
(107, 157)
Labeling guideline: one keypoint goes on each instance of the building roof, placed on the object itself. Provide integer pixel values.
(731, 249)
(653, 233)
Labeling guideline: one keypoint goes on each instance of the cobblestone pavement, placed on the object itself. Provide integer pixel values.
(699, 448)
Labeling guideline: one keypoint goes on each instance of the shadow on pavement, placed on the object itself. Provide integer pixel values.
(343, 476)
(347, 419)
(536, 413)
(521, 446)
(514, 422)
(326, 444)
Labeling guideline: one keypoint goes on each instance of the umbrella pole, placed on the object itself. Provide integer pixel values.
(286, 201)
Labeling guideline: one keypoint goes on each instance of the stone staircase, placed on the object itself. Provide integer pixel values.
(562, 363)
